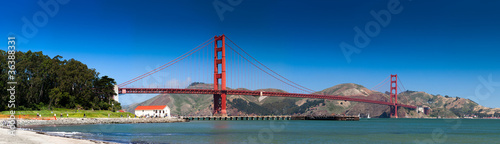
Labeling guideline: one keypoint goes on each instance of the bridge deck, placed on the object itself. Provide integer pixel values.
(253, 93)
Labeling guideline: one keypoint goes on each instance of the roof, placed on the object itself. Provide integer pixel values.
(157, 107)
(121, 111)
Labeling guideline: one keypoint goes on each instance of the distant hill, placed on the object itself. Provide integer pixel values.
(445, 106)
(352, 108)
(194, 104)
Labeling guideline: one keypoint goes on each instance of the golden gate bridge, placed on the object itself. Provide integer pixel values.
(230, 68)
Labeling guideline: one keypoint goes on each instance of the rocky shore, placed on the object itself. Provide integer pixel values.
(83, 121)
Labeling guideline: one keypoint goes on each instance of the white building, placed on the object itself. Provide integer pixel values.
(115, 97)
(420, 109)
(159, 110)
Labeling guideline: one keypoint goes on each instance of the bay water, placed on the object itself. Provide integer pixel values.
(291, 131)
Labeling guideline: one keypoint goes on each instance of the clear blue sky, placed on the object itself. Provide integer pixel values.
(440, 47)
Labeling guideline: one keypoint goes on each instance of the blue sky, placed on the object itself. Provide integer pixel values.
(440, 47)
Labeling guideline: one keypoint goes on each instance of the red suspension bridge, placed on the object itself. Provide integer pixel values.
(196, 67)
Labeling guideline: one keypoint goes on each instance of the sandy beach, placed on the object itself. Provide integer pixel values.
(30, 137)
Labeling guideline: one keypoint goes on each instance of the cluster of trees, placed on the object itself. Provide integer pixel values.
(44, 82)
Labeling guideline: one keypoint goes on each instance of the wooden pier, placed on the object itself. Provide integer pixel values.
(228, 118)
(334, 118)
(239, 118)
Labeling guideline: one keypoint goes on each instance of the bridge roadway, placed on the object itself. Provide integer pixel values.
(252, 93)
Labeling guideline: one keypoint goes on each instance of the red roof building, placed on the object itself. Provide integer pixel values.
(157, 107)
(157, 111)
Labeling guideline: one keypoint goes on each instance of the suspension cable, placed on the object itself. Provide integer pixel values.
(309, 90)
(381, 83)
(399, 79)
(264, 70)
(201, 46)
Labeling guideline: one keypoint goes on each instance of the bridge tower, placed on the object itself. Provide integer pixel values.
(394, 95)
(220, 74)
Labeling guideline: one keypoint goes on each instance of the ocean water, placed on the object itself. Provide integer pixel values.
(363, 131)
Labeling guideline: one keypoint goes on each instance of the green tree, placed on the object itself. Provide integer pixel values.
(53, 82)
(55, 96)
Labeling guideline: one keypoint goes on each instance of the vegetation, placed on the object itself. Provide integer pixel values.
(48, 83)
(466, 109)
(72, 113)
(196, 83)
(442, 112)
(332, 107)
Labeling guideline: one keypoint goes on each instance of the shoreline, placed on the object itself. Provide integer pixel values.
(24, 133)
(34, 137)
(24, 123)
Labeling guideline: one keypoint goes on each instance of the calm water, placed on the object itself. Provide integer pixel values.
(363, 131)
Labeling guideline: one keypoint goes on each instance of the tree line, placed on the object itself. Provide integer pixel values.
(46, 83)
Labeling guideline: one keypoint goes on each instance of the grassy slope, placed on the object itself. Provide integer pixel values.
(72, 113)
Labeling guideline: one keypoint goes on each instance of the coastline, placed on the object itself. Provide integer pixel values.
(23, 123)
(34, 137)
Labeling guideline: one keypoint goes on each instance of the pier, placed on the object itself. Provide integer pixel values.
(240, 118)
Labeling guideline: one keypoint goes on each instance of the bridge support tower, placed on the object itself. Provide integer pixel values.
(220, 74)
(394, 96)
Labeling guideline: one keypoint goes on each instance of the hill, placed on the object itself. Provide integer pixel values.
(446, 106)
(194, 104)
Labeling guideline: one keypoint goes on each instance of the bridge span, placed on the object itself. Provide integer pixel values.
(252, 93)
(220, 91)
